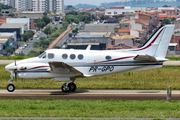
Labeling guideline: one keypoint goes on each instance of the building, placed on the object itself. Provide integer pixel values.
(99, 27)
(8, 2)
(144, 17)
(19, 28)
(22, 5)
(167, 10)
(13, 35)
(176, 39)
(112, 12)
(6, 12)
(121, 42)
(56, 6)
(19, 20)
(30, 14)
(141, 9)
(6, 41)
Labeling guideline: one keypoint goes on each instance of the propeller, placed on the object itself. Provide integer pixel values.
(15, 70)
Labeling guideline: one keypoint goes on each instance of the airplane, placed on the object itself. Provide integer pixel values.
(65, 65)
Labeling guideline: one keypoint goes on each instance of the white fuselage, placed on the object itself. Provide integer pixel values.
(89, 62)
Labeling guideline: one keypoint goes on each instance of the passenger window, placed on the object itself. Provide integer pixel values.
(72, 56)
(64, 56)
(108, 57)
(80, 56)
(50, 55)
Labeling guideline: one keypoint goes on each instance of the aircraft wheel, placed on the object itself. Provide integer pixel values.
(10, 87)
(65, 89)
(72, 87)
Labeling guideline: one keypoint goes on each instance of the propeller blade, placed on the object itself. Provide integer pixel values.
(15, 72)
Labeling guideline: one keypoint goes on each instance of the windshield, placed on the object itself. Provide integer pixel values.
(44, 53)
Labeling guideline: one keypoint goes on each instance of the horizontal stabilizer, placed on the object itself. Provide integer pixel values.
(145, 58)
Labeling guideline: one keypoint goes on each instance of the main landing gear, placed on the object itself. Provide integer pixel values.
(68, 87)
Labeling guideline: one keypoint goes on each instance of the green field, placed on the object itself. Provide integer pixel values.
(88, 108)
(148, 79)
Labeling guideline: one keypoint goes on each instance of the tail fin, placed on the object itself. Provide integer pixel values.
(158, 44)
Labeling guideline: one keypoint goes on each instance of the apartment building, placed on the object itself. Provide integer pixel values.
(36, 5)
(48, 5)
(22, 5)
(8, 2)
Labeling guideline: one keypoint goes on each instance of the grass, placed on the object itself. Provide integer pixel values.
(148, 79)
(14, 57)
(173, 58)
(88, 108)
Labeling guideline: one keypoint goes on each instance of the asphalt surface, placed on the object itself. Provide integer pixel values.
(31, 44)
(90, 94)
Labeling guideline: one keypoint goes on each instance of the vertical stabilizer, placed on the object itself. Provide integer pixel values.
(158, 44)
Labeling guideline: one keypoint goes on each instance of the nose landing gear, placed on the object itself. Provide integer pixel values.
(11, 87)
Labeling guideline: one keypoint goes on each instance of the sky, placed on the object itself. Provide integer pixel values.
(92, 2)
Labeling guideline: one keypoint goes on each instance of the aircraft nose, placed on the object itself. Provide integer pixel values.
(10, 67)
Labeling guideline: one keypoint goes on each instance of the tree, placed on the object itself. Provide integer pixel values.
(1, 14)
(46, 19)
(40, 24)
(65, 24)
(11, 15)
(9, 50)
(27, 35)
(75, 30)
(166, 21)
(165, 6)
(48, 30)
(69, 7)
(173, 19)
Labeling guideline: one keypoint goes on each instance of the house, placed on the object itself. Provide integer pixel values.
(167, 10)
(144, 17)
(121, 42)
(176, 39)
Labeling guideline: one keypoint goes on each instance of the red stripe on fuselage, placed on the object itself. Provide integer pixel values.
(38, 67)
(150, 43)
(115, 59)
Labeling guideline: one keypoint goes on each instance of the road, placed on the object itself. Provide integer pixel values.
(42, 34)
(66, 37)
(91, 94)
(30, 46)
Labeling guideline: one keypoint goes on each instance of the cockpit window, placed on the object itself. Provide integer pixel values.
(50, 55)
(43, 55)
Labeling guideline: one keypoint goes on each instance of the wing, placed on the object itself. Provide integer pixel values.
(145, 58)
(63, 68)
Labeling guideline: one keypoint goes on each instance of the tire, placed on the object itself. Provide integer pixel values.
(64, 89)
(10, 88)
(72, 87)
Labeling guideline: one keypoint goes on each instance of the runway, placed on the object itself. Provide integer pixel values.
(90, 94)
